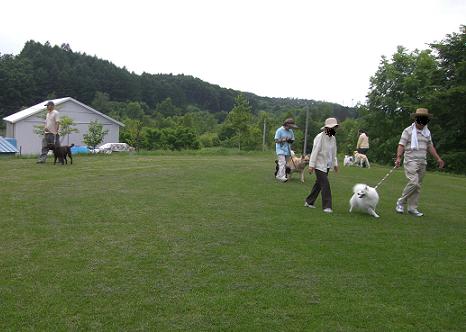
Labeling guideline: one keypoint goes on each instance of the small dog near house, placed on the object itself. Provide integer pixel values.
(364, 198)
(61, 153)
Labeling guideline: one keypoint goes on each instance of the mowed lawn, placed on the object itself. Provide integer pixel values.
(201, 242)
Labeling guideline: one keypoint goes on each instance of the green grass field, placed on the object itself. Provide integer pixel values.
(201, 242)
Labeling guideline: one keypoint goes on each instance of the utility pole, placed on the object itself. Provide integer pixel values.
(263, 137)
(305, 132)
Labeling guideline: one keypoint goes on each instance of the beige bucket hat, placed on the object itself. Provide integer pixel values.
(421, 112)
(330, 123)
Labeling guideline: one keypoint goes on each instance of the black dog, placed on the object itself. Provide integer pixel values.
(61, 152)
(287, 169)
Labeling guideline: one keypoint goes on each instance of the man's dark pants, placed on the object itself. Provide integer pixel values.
(323, 185)
(48, 142)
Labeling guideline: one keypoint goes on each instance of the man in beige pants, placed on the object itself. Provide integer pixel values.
(414, 143)
(51, 138)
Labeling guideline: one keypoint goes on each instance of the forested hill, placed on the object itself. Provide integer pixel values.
(43, 71)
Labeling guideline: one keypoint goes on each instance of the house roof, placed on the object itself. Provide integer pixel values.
(18, 116)
(7, 147)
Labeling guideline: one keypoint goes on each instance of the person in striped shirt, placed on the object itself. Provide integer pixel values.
(414, 143)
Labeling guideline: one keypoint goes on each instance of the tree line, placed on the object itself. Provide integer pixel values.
(164, 111)
(41, 70)
(160, 111)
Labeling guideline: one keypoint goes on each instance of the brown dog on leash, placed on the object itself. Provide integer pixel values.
(294, 164)
(298, 165)
(61, 152)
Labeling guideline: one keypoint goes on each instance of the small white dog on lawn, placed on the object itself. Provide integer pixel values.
(348, 161)
(364, 198)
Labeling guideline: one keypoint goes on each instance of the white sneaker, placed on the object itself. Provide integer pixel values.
(328, 210)
(283, 179)
(309, 205)
(399, 207)
(415, 213)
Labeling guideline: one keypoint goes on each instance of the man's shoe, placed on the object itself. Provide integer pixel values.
(306, 204)
(328, 210)
(415, 213)
(399, 207)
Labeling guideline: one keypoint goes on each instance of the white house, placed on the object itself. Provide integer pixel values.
(21, 124)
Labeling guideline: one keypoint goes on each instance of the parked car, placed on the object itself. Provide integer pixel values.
(112, 147)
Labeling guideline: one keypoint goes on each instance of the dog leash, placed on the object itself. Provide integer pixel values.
(291, 157)
(385, 177)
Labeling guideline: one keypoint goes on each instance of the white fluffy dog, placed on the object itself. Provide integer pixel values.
(348, 161)
(364, 198)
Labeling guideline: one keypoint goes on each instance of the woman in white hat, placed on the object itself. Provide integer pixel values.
(323, 158)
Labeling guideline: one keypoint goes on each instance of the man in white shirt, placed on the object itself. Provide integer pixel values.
(323, 158)
(51, 137)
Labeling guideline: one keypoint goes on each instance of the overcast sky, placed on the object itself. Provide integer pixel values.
(322, 50)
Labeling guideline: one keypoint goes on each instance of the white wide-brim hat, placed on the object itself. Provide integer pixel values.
(330, 123)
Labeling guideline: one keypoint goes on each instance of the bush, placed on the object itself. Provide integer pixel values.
(209, 140)
(179, 138)
(383, 151)
(151, 138)
(455, 162)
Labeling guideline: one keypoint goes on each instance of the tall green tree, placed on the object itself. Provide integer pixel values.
(67, 127)
(239, 118)
(135, 110)
(348, 136)
(17, 84)
(95, 134)
(450, 99)
(133, 133)
(167, 108)
(102, 103)
(38, 129)
(400, 85)
(264, 123)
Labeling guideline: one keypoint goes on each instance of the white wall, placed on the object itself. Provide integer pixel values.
(31, 143)
(26, 141)
(9, 130)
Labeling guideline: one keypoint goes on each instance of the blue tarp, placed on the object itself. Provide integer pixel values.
(7, 147)
(12, 141)
(79, 149)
